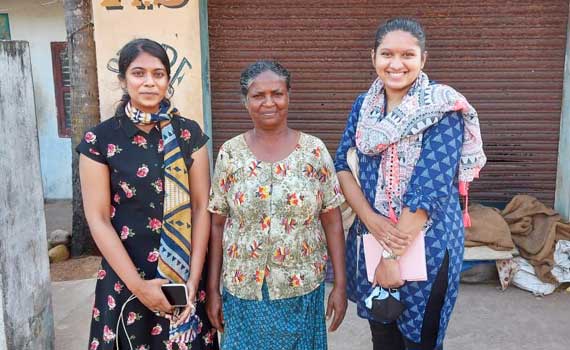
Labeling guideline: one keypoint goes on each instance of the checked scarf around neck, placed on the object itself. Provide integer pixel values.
(175, 236)
(400, 132)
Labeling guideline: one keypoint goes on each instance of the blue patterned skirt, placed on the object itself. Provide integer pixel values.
(292, 323)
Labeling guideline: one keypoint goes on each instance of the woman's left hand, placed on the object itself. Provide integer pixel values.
(190, 309)
(337, 303)
(394, 246)
(387, 274)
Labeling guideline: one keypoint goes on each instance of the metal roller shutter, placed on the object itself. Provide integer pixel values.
(507, 57)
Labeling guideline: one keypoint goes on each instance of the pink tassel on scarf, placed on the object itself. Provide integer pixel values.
(464, 191)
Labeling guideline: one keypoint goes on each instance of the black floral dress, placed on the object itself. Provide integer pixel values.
(135, 161)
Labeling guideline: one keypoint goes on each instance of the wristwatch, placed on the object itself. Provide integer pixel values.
(386, 254)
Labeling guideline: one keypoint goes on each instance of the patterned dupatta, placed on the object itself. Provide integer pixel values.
(175, 236)
(399, 134)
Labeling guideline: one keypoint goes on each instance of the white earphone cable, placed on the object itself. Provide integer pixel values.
(120, 321)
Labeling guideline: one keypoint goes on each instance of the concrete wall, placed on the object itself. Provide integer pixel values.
(3, 345)
(24, 266)
(562, 198)
(39, 25)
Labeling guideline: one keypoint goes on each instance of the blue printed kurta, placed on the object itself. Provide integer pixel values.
(432, 187)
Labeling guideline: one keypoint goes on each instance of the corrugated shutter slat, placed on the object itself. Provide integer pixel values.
(507, 57)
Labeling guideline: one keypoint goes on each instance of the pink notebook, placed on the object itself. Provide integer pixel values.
(412, 264)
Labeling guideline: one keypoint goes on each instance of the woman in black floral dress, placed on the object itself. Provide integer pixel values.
(124, 177)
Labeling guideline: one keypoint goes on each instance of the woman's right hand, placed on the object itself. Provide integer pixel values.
(386, 233)
(214, 309)
(150, 294)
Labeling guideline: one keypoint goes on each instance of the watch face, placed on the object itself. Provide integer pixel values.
(386, 254)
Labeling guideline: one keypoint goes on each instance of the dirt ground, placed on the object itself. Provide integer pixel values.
(58, 216)
(75, 269)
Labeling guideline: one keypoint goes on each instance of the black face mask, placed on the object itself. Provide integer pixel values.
(387, 310)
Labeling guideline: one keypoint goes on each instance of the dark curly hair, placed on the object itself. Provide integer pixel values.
(256, 68)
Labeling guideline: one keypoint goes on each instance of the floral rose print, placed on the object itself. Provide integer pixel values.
(94, 344)
(108, 334)
(180, 346)
(111, 302)
(129, 190)
(142, 171)
(118, 287)
(153, 256)
(202, 296)
(157, 185)
(156, 330)
(135, 161)
(101, 274)
(140, 141)
(209, 337)
(96, 313)
(112, 149)
(126, 232)
(132, 317)
(90, 137)
(154, 225)
(185, 134)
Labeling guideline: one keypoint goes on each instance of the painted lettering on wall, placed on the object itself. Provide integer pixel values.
(179, 67)
(144, 4)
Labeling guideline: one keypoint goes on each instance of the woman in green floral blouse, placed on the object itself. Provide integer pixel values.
(276, 221)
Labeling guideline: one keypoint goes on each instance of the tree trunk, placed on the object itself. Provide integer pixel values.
(84, 106)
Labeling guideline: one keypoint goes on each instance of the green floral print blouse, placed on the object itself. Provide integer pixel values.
(273, 230)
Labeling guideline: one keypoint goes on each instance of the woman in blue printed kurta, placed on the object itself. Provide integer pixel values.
(427, 169)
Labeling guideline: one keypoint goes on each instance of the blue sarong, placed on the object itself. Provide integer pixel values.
(292, 323)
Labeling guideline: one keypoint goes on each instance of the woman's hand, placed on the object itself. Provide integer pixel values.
(190, 309)
(214, 309)
(150, 294)
(386, 233)
(337, 304)
(387, 274)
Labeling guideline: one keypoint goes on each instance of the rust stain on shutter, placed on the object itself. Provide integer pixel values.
(506, 57)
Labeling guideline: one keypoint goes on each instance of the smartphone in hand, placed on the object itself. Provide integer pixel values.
(176, 294)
